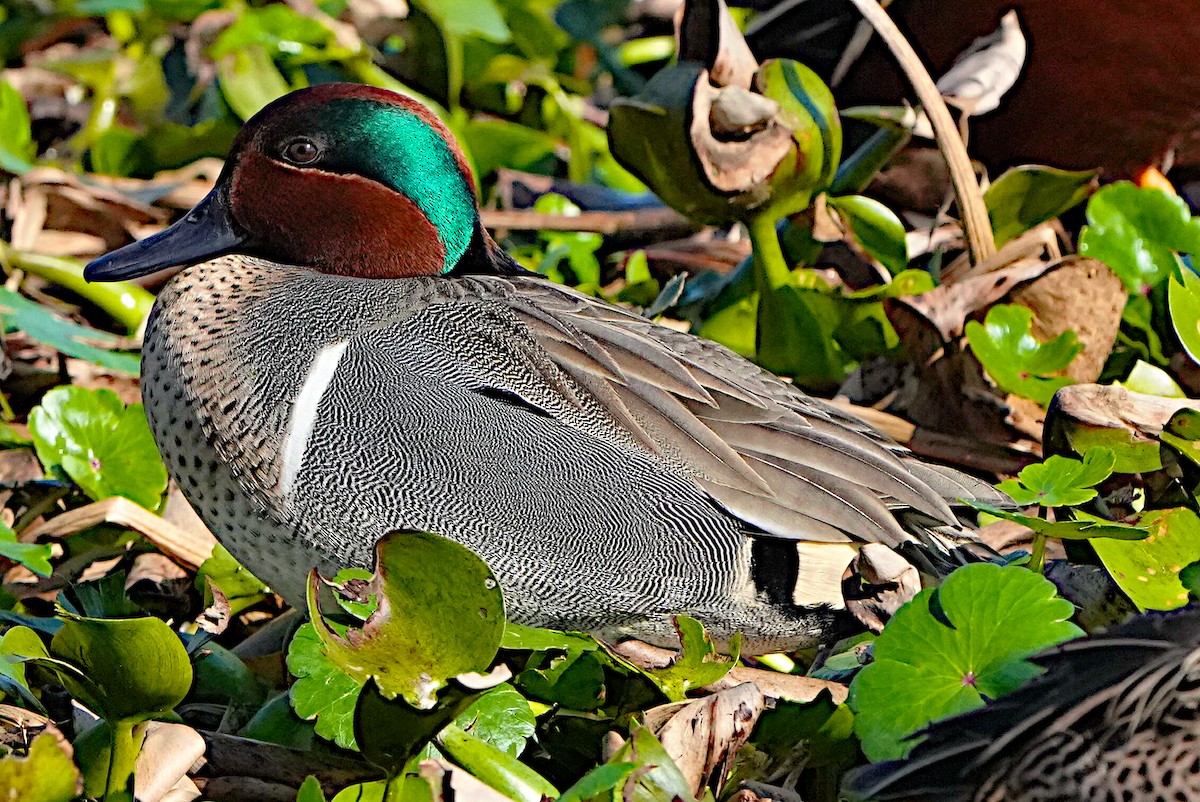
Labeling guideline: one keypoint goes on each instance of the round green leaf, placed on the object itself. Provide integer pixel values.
(322, 691)
(105, 448)
(440, 614)
(139, 667)
(1148, 570)
(1138, 232)
(1017, 360)
(948, 649)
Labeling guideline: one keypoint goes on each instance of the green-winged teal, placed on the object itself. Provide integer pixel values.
(350, 353)
(1115, 718)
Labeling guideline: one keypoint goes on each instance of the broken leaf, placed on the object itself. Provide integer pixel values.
(1017, 360)
(698, 664)
(440, 614)
(46, 774)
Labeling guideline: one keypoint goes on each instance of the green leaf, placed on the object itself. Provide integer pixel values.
(139, 667)
(1015, 359)
(250, 80)
(70, 339)
(105, 447)
(794, 336)
(698, 664)
(17, 149)
(482, 18)
(1151, 380)
(1138, 233)
(876, 228)
(657, 778)
(34, 556)
(241, 588)
(322, 691)
(574, 680)
(17, 645)
(1030, 195)
(1189, 577)
(47, 774)
(499, 143)
(1182, 433)
(599, 783)
(1061, 481)
(519, 637)
(502, 717)
(494, 767)
(1085, 528)
(576, 248)
(392, 732)
(1184, 299)
(440, 614)
(950, 648)
(278, 30)
(1148, 570)
(310, 790)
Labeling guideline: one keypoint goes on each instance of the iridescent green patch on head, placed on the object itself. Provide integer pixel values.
(396, 147)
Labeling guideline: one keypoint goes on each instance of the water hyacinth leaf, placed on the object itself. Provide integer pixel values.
(494, 767)
(440, 614)
(482, 18)
(574, 680)
(697, 665)
(1138, 232)
(241, 588)
(600, 783)
(17, 148)
(1150, 379)
(250, 80)
(280, 31)
(1061, 481)
(1016, 360)
(34, 556)
(876, 228)
(46, 774)
(657, 777)
(19, 644)
(322, 691)
(1184, 299)
(69, 339)
(1027, 196)
(139, 666)
(806, 106)
(105, 447)
(1148, 570)
(931, 663)
(534, 639)
(795, 335)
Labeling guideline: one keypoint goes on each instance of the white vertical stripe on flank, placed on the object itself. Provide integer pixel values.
(304, 412)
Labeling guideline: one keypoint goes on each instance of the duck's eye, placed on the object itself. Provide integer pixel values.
(301, 151)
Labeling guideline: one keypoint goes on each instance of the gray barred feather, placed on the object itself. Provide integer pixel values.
(611, 471)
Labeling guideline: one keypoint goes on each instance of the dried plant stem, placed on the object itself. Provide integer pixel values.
(976, 226)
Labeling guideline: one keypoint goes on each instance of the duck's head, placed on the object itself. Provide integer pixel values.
(342, 178)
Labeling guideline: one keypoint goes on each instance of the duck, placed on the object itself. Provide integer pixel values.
(1114, 717)
(348, 353)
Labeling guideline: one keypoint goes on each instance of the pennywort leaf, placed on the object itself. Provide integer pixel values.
(1017, 361)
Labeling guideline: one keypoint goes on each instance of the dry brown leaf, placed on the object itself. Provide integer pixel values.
(704, 736)
(167, 756)
(707, 33)
(448, 783)
(878, 582)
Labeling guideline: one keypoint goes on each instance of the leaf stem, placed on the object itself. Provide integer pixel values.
(125, 746)
(981, 242)
(1037, 552)
(393, 789)
(773, 268)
